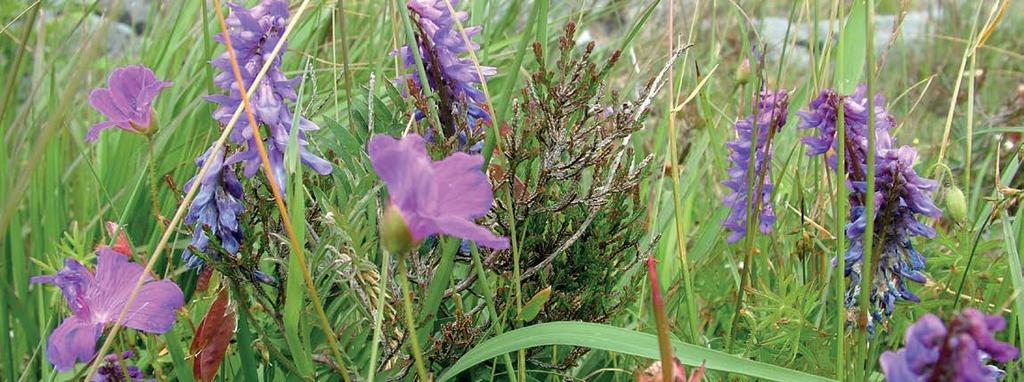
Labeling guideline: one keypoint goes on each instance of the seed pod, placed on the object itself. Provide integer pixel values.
(956, 204)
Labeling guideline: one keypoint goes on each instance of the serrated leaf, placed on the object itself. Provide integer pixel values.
(535, 304)
(212, 338)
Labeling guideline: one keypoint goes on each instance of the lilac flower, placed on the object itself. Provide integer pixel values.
(900, 196)
(127, 101)
(113, 371)
(216, 207)
(770, 116)
(957, 353)
(96, 300)
(254, 33)
(435, 197)
(440, 47)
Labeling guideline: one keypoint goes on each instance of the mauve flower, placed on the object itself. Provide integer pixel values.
(900, 196)
(113, 371)
(254, 33)
(957, 353)
(440, 47)
(97, 298)
(435, 197)
(772, 108)
(653, 373)
(127, 101)
(216, 207)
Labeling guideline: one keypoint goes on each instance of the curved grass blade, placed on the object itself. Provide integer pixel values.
(622, 341)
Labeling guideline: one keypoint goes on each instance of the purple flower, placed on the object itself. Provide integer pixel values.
(96, 300)
(822, 116)
(440, 47)
(900, 196)
(127, 102)
(435, 197)
(215, 207)
(254, 33)
(113, 371)
(957, 353)
(770, 116)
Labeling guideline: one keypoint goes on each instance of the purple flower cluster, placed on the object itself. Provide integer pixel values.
(113, 371)
(440, 47)
(958, 352)
(215, 207)
(900, 196)
(772, 110)
(97, 298)
(433, 197)
(254, 33)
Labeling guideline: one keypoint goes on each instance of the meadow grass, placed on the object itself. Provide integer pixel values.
(768, 307)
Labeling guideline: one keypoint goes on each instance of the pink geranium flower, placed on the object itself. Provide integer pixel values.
(435, 197)
(127, 101)
(97, 298)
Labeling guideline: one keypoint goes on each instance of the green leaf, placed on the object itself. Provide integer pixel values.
(619, 340)
(535, 304)
(851, 55)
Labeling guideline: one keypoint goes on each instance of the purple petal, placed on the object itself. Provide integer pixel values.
(74, 340)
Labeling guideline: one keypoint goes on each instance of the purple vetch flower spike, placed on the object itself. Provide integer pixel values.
(126, 101)
(113, 371)
(769, 117)
(958, 352)
(97, 298)
(254, 33)
(441, 47)
(900, 196)
(435, 197)
(216, 206)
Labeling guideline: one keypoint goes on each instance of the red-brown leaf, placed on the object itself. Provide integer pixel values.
(212, 338)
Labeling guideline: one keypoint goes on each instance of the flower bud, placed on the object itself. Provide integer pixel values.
(743, 73)
(394, 233)
(956, 204)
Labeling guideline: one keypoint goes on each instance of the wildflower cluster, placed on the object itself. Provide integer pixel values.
(454, 77)
(901, 196)
(772, 109)
(254, 33)
(957, 352)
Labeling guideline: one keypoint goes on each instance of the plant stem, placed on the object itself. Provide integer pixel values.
(661, 322)
(840, 216)
(410, 322)
(867, 268)
(378, 316)
(677, 193)
(154, 195)
(489, 299)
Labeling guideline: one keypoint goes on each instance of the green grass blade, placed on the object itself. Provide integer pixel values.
(622, 341)
(178, 357)
(851, 52)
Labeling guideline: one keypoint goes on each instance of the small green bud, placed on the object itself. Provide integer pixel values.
(743, 73)
(394, 233)
(956, 204)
